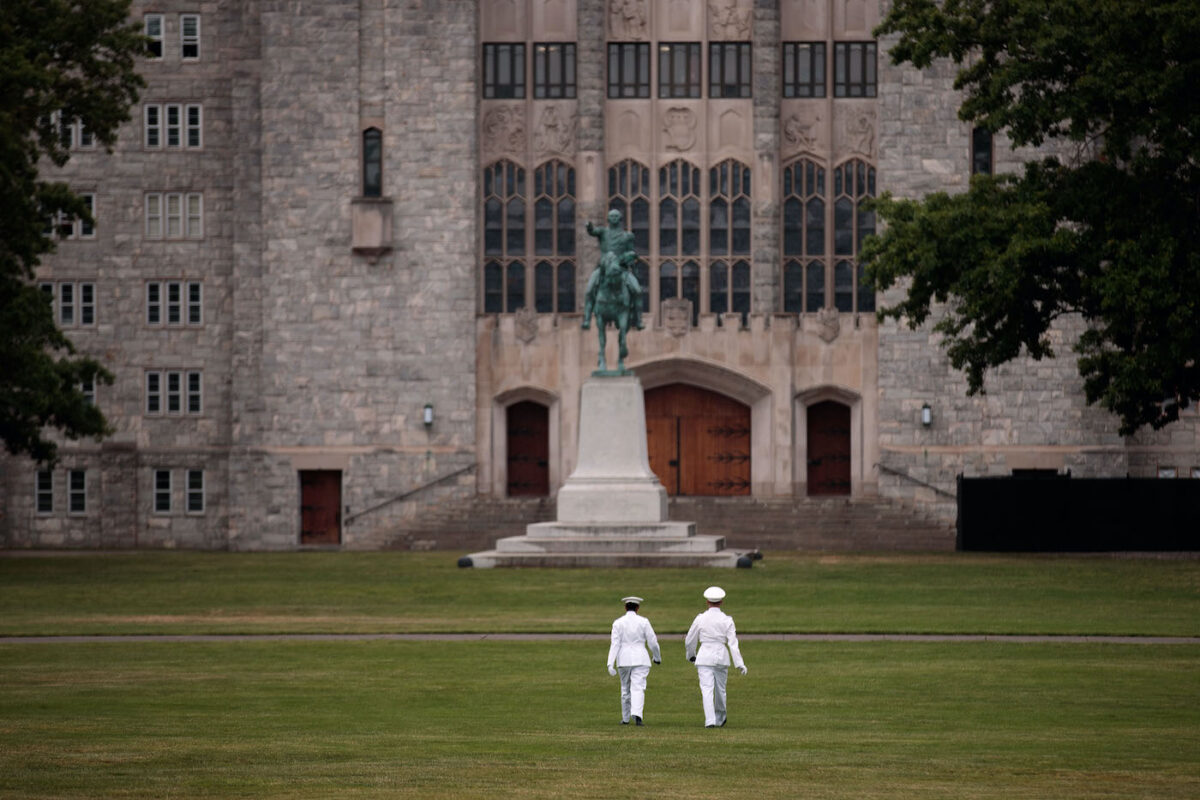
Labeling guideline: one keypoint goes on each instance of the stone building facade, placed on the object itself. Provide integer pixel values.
(339, 267)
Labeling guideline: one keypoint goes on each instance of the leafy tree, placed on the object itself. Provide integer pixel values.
(59, 61)
(1110, 231)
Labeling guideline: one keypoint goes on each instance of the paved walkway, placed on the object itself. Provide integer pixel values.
(549, 637)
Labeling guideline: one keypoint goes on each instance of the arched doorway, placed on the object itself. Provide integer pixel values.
(698, 441)
(528, 449)
(828, 448)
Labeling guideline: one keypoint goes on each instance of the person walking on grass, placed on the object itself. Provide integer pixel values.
(631, 635)
(714, 632)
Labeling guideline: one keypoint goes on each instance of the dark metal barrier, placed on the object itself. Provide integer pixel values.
(1065, 514)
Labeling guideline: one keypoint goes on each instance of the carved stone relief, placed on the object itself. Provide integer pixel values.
(677, 315)
(802, 133)
(828, 324)
(731, 130)
(555, 132)
(679, 128)
(504, 131)
(728, 20)
(860, 133)
(525, 324)
(627, 19)
(629, 131)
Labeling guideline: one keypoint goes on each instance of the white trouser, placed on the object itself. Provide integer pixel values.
(712, 693)
(633, 690)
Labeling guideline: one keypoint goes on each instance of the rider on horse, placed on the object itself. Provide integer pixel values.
(615, 243)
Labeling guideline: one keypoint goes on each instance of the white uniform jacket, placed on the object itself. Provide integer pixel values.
(713, 631)
(631, 635)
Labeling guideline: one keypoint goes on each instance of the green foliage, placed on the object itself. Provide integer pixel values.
(1111, 234)
(75, 60)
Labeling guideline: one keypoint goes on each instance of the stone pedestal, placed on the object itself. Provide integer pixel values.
(612, 510)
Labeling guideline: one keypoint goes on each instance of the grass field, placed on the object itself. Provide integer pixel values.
(378, 719)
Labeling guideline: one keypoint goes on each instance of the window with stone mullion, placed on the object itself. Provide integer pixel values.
(504, 232)
(680, 232)
(554, 237)
(729, 237)
(853, 183)
(804, 226)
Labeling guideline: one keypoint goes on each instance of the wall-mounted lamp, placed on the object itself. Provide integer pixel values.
(427, 415)
(926, 415)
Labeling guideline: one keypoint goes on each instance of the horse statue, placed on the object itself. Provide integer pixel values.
(613, 293)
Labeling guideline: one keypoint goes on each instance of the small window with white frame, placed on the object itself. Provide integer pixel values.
(87, 303)
(174, 392)
(154, 215)
(189, 37)
(77, 491)
(175, 303)
(1167, 472)
(83, 229)
(195, 491)
(193, 126)
(194, 391)
(154, 393)
(173, 125)
(152, 126)
(162, 491)
(195, 215)
(153, 30)
(44, 491)
(195, 303)
(87, 387)
(66, 304)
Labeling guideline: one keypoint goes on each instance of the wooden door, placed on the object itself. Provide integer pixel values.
(828, 449)
(698, 441)
(528, 450)
(320, 506)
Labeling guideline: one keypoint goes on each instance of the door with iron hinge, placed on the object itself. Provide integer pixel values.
(528, 441)
(320, 506)
(698, 441)
(828, 449)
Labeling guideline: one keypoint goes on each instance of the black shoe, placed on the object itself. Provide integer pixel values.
(637, 721)
(710, 726)
(624, 722)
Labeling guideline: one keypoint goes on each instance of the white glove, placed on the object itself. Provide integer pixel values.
(612, 670)
(743, 670)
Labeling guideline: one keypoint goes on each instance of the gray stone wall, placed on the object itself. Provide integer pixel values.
(1033, 414)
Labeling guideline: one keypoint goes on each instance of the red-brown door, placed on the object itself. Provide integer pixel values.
(320, 506)
(698, 441)
(828, 449)
(528, 450)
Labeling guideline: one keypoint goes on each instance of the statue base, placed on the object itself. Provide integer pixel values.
(612, 510)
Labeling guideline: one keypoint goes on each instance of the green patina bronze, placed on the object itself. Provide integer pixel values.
(614, 295)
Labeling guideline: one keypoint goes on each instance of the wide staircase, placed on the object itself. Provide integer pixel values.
(826, 524)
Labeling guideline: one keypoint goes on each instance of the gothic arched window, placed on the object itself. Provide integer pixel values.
(504, 200)
(554, 237)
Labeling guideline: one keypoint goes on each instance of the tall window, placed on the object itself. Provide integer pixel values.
(853, 182)
(729, 69)
(628, 69)
(162, 491)
(77, 491)
(679, 191)
(803, 236)
(372, 162)
(679, 69)
(189, 37)
(811, 280)
(504, 200)
(729, 238)
(45, 491)
(553, 70)
(554, 237)
(195, 491)
(503, 71)
(981, 151)
(854, 69)
(153, 30)
(803, 69)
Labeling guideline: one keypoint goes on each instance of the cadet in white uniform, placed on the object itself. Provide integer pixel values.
(631, 635)
(713, 631)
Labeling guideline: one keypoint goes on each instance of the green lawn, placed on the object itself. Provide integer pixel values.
(538, 719)
(425, 592)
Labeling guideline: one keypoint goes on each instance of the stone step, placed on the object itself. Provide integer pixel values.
(493, 558)
(656, 530)
(610, 544)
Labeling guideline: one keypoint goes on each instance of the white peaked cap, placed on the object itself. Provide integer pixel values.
(714, 594)
(632, 599)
